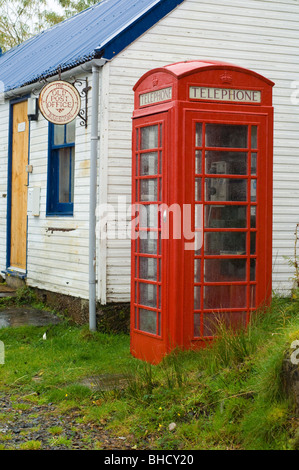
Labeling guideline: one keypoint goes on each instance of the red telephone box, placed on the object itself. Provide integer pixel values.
(202, 198)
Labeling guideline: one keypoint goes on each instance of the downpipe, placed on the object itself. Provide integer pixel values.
(93, 196)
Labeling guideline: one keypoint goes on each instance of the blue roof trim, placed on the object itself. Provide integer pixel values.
(104, 29)
(126, 37)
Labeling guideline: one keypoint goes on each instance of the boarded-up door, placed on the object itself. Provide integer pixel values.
(19, 178)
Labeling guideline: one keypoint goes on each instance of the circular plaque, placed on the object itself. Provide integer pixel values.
(59, 102)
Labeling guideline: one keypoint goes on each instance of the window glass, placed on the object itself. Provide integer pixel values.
(226, 189)
(254, 137)
(148, 321)
(229, 296)
(60, 195)
(64, 175)
(198, 137)
(59, 135)
(148, 243)
(226, 163)
(228, 270)
(217, 216)
(148, 268)
(149, 137)
(149, 190)
(148, 295)
(225, 243)
(226, 135)
(149, 164)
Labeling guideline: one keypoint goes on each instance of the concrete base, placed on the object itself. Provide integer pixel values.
(15, 282)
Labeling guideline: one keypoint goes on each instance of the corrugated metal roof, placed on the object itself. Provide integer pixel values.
(102, 30)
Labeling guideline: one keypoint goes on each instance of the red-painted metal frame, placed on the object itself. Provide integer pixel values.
(178, 116)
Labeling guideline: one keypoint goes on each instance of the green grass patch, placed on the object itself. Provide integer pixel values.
(226, 396)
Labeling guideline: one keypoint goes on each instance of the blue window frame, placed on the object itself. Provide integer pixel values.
(61, 165)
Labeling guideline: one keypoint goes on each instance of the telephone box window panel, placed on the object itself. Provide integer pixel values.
(202, 181)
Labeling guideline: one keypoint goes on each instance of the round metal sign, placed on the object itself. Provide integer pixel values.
(59, 102)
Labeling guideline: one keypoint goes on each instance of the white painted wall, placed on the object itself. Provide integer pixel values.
(58, 261)
(256, 34)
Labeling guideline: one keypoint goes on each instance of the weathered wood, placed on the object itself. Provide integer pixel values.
(19, 186)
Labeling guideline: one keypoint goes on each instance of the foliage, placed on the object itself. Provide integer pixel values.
(226, 396)
(21, 19)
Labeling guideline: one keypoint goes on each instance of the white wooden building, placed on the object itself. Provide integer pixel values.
(128, 40)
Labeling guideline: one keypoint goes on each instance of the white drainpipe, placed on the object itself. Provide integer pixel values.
(93, 196)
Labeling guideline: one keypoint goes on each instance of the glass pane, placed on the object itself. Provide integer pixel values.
(71, 132)
(198, 243)
(253, 217)
(137, 139)
(226, 135)
(253, 163)
(160, 297)
(253, 243)
(214, 321)
(64, 175)
(198, 186)
(252, 296)
(161, 136)
(198, 137)
(229, 296)
(197, 324)
(198, 162)
(137, 165)
(197, 290)
(148, 295)
(148, 321)
(148, 269)
(148, 216)
(149, 190)
(59, 134)
(222, 270)
(225, 243)
(199, 216)
(197, 270)
(253, 190)
(253, 270)
(149, 137)
(147, 243)
(72, 174)
(254, 137)
(226, 163)
(149, 164)
(225, 189)
(225, 216)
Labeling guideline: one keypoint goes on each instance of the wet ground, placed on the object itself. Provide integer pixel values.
(24, 315)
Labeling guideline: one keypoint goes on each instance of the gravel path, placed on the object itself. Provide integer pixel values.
(29, 426)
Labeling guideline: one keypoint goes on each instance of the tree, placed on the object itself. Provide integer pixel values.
(21, 19)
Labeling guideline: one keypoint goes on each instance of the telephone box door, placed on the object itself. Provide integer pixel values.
(148, 249)
(230, 193)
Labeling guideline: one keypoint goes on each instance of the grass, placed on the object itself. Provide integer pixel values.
(228, 396)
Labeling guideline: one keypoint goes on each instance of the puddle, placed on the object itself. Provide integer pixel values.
(106, 382)
(22, 316)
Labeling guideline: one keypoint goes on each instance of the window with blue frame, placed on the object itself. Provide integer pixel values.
(61, 166)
